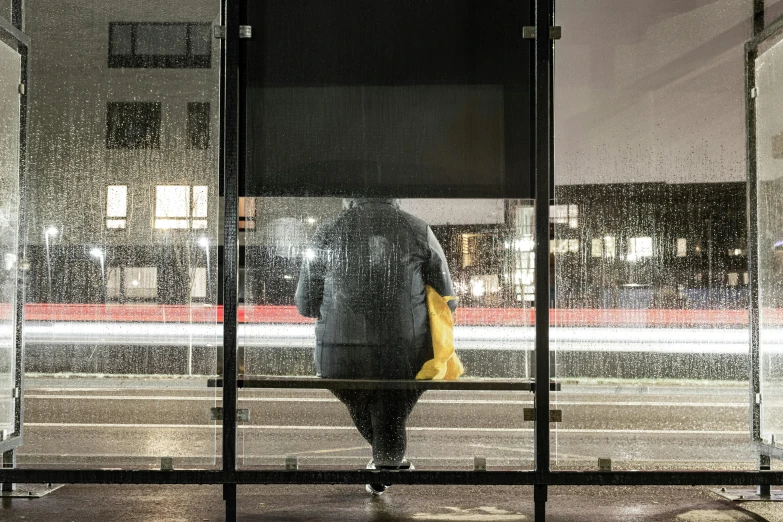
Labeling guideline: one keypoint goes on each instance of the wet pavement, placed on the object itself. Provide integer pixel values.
(133, 423)
(79, 503)
(121, 422)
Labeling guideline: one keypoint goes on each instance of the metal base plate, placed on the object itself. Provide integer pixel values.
(748, 495)
(30, 490)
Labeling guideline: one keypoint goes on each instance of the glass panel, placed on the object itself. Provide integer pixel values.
(404, 99)
(649, 308)
(408, 98)
(9, 227)
(119, 346)
(769, 143)
(487, 245)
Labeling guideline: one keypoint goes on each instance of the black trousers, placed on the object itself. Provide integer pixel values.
(380, 416)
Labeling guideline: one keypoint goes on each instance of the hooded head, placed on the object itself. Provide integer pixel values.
(349, 203)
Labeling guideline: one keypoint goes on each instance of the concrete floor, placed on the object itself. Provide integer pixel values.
(80, 503)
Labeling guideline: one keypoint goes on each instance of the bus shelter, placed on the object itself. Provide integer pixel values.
(163, 175)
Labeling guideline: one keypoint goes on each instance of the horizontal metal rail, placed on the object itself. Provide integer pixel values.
(263, 381)
(362, 476)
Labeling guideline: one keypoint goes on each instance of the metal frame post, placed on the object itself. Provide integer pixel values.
(751, 53)
(543, 72)
(754, 366)
(229, 84)
(8, 446)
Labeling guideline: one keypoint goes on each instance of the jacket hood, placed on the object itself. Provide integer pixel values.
(355, 202)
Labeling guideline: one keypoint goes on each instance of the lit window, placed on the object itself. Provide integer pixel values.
(597, 248)
(573, 216)
(682, 247)
(10, 261)
(141, 282)
(734, 252)
(198, 282)
(565, 214)
(177, 206)
(733, 278)
(116, 206)
(564, 246)
(610, 250)
(639, 248)
(745, 278)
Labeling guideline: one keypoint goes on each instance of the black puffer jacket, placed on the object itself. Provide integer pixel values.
(363, 277)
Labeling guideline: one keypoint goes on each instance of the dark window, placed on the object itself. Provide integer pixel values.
(198, 125)
(133, 125)
(168, 45)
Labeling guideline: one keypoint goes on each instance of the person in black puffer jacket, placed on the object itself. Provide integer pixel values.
(363, 277)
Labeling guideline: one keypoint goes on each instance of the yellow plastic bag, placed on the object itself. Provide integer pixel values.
(445, 365)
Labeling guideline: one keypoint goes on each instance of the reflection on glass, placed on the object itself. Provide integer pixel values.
(487, 245)
(769, 129)
(122, 242)
(650, 300)
(10, 69)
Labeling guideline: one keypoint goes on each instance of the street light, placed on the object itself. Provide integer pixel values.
(49, 232)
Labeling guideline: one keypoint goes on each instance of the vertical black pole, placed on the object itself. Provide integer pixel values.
(758, 16)
(751, 53)
(544, 19)
(9, 457)
(17, 14)
(229, 158)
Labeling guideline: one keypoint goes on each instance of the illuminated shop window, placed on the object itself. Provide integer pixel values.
(141, 282)
(132, 282)
(732, 278)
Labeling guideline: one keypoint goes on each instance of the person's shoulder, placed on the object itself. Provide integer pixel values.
(418, 225)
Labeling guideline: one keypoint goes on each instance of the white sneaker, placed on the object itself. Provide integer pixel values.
(374, 489)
